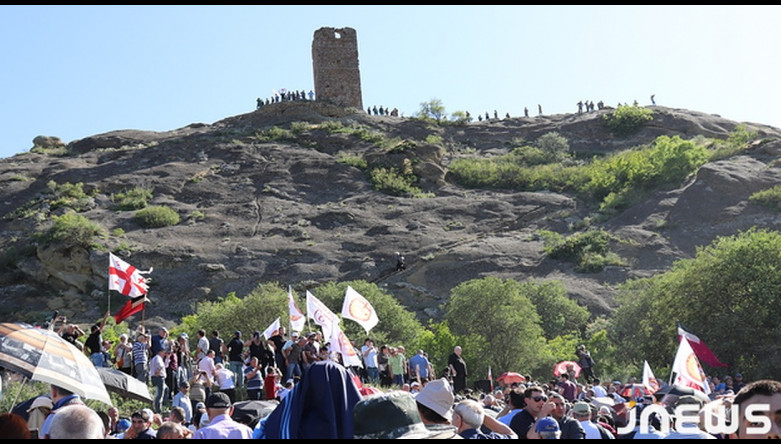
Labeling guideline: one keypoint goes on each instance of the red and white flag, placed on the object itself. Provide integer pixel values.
(131, 307)
(357, 308)
(687, 369)
(649, 380)
(322, 315)
(340, 343)
(700, 348)
(297, 319)
(125, 278)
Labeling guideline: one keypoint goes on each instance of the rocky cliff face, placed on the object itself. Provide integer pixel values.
(288, 211)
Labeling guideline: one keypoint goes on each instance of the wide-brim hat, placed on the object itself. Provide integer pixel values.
(392, 415)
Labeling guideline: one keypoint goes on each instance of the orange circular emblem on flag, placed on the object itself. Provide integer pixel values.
(360, 310)
(693, 369)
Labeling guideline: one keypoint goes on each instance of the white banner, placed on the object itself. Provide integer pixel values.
(318, 312)
(297, 319)
(357, 308)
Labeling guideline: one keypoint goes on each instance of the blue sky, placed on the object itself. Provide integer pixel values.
(77, 71)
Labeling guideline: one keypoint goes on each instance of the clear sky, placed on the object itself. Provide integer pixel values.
(77, 71)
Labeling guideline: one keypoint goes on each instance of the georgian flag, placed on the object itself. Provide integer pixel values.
(125, 278)
(357, 308)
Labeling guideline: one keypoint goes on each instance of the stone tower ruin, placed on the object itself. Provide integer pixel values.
(335, 63)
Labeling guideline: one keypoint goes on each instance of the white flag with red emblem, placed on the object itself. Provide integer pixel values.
(687, 369)
(649, 380)
(272, 329)
(340, 343)
(321, 314)
(357, 308)
(125, 278)
(297, 319)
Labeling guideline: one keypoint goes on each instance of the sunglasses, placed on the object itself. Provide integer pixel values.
(138, 421)
(539, 398)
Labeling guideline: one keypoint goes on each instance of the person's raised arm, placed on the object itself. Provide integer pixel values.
(498, 427)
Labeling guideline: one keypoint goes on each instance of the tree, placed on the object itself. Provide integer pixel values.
(561, 314)
(501, 314)
(433, 109)
(728, 295)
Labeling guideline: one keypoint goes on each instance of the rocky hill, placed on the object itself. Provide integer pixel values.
(257, 209)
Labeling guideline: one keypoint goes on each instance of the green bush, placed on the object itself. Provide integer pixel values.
(770, 198)
(130, 200)
(588, 250)
(157, 217)
(68, 195)
(394, 182)
(554, 145)
(352, 160)
(627, 120)
(75, 229)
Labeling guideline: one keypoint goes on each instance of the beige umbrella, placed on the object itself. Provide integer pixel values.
(43, 355)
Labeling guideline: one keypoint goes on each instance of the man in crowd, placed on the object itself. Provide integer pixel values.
(763, 392)
(221, 426)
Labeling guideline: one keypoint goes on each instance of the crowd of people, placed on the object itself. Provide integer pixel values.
(195, 392)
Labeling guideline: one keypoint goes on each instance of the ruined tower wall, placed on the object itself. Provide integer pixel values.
(335, 62)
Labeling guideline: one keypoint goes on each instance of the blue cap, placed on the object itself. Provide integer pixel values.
(123, 424)
(546, 424)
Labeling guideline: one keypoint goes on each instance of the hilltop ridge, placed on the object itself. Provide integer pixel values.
(289, 211)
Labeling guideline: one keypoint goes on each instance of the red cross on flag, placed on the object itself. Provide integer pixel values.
(125, 278)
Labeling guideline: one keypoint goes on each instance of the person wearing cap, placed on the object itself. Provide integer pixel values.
(582, 412)
(122, 426)
(435, 406)
(235, 359)
(221, 425)
(37, 414)
(469, 418)
(294, 356)
(182, 399)
(389, 415)
(547, 428)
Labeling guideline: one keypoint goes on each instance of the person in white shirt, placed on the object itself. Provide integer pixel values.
(158, 375)
(225, 379)
(206, 369)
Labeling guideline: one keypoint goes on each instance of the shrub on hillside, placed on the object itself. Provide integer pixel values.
(157, 216)
(627, 120)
